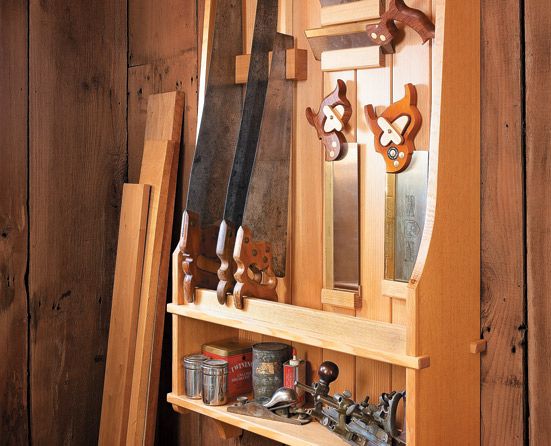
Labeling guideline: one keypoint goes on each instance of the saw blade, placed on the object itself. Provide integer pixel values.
(257, 83)
(219, 126)
(411, 202)
(267, 200)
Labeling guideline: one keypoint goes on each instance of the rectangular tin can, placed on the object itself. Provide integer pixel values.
(238, 354)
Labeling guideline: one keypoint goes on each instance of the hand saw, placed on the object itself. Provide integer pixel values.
(263, 40)
(216, 139)
(266, 207)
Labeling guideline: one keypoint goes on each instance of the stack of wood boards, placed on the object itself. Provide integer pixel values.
(141, 275)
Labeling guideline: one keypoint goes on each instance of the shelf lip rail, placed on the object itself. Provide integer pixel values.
(380, 341)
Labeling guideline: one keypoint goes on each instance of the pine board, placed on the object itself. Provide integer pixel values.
(117, 385)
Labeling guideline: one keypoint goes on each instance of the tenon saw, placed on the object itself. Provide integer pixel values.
(266, 210)
(216, 141)
(263, 40)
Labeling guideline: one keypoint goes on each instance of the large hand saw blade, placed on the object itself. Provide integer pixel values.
(257, 82)
(219, 126)
(267, 200)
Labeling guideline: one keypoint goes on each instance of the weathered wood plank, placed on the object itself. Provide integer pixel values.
(161, 30)
(78, 72)
(13, 222)
(502, 318)
(538, 215)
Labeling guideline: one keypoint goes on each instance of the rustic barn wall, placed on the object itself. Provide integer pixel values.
(68, 142)
(77, 165)
(503, 321)
(14, 427)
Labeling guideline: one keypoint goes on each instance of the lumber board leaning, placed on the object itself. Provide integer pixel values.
(124, 315)
(159, 169)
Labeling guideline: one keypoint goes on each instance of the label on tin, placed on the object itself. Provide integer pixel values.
(265, 368)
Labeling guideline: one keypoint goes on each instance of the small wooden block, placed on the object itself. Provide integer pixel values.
(341, 298)
(296, 65)
(352, 59)
(351, 12)
(227, 431)
(478, 346)
(394, 290)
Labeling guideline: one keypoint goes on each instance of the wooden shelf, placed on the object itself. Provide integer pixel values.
(379, 341)
(312, 434)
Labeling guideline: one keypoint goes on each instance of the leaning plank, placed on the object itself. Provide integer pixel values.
(124, 315)
(159, 169)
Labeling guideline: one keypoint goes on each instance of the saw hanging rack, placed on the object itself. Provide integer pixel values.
(421, 335)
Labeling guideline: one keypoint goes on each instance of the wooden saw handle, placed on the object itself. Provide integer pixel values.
(224, 251)
(197, 246)
(332, 141)
(254, 257)
(385, 31)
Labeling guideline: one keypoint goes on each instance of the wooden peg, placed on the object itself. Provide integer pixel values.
(395, 130)
(296, 65)
(255, 276)
(224, 251)
(333, 116)
(385, 31)
(198, 248)
(478, 346)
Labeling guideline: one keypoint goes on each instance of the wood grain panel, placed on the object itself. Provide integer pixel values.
(13, 222)
(77, 167)
(117, 385)
(538, 216)
(307, 182)
(160, 30)
(502, 317)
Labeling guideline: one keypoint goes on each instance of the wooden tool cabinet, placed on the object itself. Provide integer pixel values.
(422, 335)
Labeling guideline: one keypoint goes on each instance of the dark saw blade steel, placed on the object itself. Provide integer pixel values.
(257, 82)
(267, 201)
(219, 125)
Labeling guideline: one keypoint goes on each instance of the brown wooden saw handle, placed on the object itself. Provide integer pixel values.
(332, 141)
(224, 251)
(253, 257)
(198, 255)
(385, 31)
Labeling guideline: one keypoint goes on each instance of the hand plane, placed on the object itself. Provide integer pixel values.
(281, 407)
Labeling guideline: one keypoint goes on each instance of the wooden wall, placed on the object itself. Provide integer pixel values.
(74, 81)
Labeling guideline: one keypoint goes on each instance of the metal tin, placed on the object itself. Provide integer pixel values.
(268, 360)
(239, 357)
(215, 382)
(193, 375)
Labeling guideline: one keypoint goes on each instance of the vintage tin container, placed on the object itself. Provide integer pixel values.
(215, 382)
(238, 354)
(193, 376)
(295, 370)
(268, 360)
